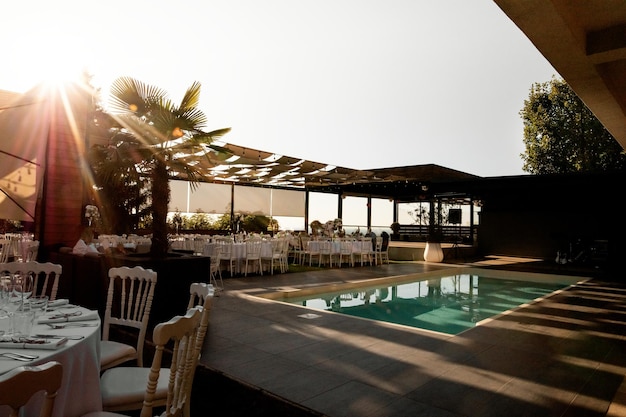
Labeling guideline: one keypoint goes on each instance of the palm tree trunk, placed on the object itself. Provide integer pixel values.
(160, 201)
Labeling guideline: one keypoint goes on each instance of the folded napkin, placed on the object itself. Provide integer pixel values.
(31, 343)
(58, 303)
(58, 317)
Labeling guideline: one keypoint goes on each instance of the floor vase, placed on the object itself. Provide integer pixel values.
(433, 252)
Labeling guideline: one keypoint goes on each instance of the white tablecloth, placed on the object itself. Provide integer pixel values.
(238, 252)
(80, 390)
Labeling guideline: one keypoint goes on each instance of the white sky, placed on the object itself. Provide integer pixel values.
(355, 83)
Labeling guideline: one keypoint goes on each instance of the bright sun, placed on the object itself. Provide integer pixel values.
(40, 60)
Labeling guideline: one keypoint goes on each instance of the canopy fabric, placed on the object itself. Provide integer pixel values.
(24, 124)
(246, 166)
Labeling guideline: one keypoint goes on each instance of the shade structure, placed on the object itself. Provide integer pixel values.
(24, 124)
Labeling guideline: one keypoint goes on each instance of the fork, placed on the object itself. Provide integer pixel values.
(18, 356)
(64, 325)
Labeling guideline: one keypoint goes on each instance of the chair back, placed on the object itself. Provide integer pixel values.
(129, 301)
(8, 249)
(225, 250)
(20, 384)
(31, 251)
(180, 334)
(45, 275)
(200, 296)
(253, 249)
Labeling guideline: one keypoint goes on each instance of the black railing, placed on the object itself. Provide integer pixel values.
(418, 233)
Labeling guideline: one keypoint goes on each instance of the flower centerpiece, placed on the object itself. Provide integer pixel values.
(91, 213)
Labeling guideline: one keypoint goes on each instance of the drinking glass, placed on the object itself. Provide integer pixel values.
(38, 305)
(23, 322)
(22, 287)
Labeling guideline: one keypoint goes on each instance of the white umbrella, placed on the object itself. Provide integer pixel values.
(24, 126)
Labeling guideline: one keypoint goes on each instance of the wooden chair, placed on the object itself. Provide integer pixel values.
(129, 300)
(20, 384)
(163, 384)
(45, 275)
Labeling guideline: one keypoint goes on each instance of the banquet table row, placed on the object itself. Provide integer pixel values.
(339, 252)
(237, 252)
(76, 348)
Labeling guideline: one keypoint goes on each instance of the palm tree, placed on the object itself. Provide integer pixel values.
(169, 140)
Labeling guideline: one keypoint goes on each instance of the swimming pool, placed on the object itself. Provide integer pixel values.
(449, 302)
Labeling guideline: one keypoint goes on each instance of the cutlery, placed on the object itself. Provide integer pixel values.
(64, 325)
(56, 336)
(49, 309)
(18, 356)
(66, 315)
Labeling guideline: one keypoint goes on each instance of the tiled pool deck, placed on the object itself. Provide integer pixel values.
(562, 356)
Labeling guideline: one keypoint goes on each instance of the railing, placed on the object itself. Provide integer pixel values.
(417, 233)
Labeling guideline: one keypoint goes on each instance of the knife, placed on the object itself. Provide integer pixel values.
(56, 336)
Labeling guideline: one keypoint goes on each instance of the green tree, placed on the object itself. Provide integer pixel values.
(121, 189)
(561, 134)
(169, 138)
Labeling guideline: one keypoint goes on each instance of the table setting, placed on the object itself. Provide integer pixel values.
(34, 331)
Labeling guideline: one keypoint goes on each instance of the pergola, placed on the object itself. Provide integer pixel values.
(233, 165)
(246, 166)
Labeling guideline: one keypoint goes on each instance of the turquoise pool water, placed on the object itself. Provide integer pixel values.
(448, 304)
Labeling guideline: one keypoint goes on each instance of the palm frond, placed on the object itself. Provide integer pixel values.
(191, 99)
(129, 95)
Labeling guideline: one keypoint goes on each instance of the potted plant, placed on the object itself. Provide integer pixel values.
(395, 229)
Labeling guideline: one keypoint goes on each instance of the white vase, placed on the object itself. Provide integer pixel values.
(433, 252)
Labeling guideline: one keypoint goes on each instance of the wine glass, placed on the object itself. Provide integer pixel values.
(22, 288)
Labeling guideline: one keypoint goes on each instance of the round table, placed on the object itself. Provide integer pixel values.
(80, 389)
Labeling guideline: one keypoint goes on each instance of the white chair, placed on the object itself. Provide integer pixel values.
(214, 268)
(312, 251)
(226, 255)
(365, 252)
(295, 249)
(253, 255)
(45, 276)
(20, 384)
(135, 388)
(345, 252)
(129, 300)
(326, 252)
(31, 251)
(8, 249)
(200, 295)
(382, 251)
(284, 258)
(304, 243)
(275, 257)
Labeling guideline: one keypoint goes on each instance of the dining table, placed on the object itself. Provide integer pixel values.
(68, 334)
(239, 252)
